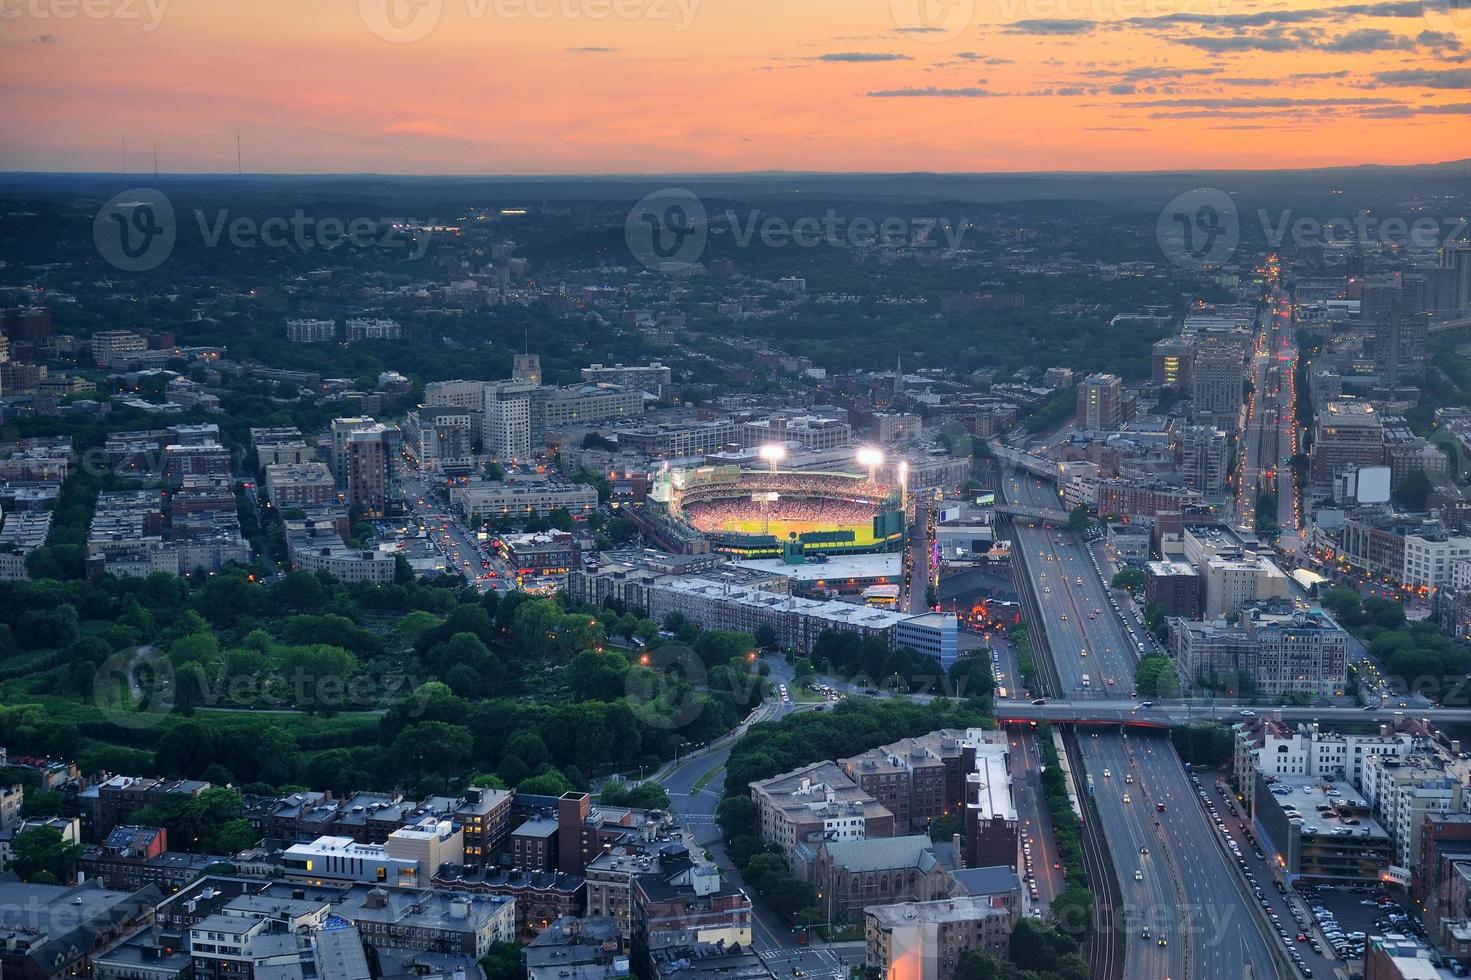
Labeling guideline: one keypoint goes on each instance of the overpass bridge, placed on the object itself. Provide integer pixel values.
(1166, 714)
(1033, 464)
(1447, 326)
(1053, 514)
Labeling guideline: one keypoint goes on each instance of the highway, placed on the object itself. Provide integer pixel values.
(1188, 888)
(1166, 714)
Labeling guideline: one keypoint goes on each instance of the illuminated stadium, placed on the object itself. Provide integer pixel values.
(767, 513)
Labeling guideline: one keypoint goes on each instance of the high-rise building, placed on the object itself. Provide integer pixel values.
(505, 422)
(372, 328)
(1349, 432)
(1173, 357)
(1100, 402)
(342, 430)
(527, 367)
(311, 331)
(1217, 384)
(367, 471)
(1458, 262)
(1203, 457)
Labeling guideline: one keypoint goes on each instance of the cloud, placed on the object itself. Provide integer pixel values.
(984, 59)
(591, 50)
(931, 92)
(1050, 27)
(1240, 42)
(862, 56)
(1367, 40)
(1246, 81)
(1256, 102)
(1446, 109)
(1121, 88)
(1427, 77)
(1159, 73)
(45, 39)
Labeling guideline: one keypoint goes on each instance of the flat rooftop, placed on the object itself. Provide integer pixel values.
(836, 569)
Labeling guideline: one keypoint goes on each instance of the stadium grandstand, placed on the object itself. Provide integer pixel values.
(778, 513)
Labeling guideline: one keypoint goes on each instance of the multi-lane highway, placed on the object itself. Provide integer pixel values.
(1185, 887)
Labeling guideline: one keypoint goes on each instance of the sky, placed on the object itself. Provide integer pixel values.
(670, 86)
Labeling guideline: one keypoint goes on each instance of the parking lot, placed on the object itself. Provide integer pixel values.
(1289, 918)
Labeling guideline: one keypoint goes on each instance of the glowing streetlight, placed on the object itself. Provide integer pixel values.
(773, 453)
(871, 457)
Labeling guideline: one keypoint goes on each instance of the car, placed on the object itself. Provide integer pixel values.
(1107, 773)
(1162, 941)
(1127, 799)
(1138, 875)
(1143, 850)
(1039, 700)
(1146, 934)
(1159, 807)
(1128, 777)
(1302, 937)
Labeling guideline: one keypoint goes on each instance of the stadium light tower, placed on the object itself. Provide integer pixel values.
(773, 453)
(871, 457)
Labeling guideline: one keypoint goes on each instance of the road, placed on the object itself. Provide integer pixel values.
(1187, 886)
(462, 552)
(695, 785)
(1270, 437)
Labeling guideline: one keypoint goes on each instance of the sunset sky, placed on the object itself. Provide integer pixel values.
(620, 86)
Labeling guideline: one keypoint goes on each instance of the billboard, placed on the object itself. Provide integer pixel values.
(1373, 485)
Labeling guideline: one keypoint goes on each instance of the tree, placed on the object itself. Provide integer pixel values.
(503, 961)
(432, 748)
(549, 783)
(1154, 676)
(1077, 520)
(41, 856)
(1129, 579)
(765, 636)
(1344, 604)
(1413, 491)
(644, 796)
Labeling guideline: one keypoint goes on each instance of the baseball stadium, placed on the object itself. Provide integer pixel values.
(770, 513)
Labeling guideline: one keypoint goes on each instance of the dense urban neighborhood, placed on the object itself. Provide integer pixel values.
(508, 596)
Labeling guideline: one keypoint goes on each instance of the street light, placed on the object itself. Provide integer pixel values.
(773, 453)
(871, 457)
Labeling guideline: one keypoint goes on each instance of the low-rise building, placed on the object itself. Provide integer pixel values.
(925, 940)
(817, 803)
(1321, 831)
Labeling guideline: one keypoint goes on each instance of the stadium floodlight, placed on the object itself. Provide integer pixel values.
(773, 453)
(871, 457)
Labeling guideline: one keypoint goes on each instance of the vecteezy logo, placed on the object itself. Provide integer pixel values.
(667, 227)
(135, 230)
(135, 688)
(664, 690)
(1448, 16)
(401, 21)
(1199, 229)
(932, 20)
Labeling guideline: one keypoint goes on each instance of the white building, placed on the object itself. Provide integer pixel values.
(311, 331)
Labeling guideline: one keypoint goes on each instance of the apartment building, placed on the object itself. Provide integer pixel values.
(1272, 748)
(1100, 402)
(925, 940)
(300, 485)
(307, 331)
(1348, 432)
(814, 804)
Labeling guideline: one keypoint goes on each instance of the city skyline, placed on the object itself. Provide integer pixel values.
(584, 87)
